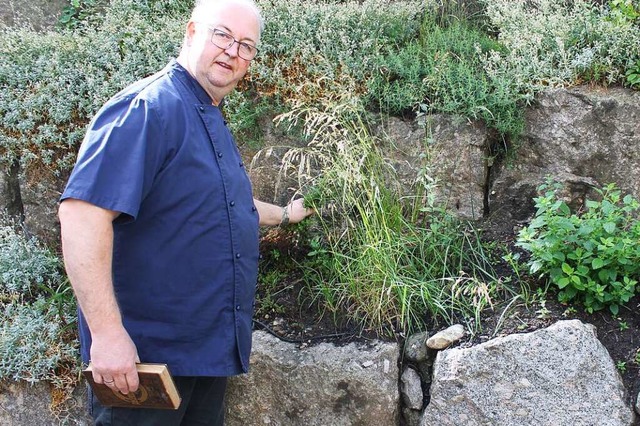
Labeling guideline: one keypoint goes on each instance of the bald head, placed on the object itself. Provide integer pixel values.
(206, 8)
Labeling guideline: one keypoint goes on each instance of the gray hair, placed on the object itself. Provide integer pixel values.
(202, 6)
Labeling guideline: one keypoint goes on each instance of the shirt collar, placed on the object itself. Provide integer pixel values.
(182, 73)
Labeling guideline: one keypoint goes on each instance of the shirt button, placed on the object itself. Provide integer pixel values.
(237, 255)
(233, 203)
(219, 155)
(202, 108)
(237, 307)
(253, 208)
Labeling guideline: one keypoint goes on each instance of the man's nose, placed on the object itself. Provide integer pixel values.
(233, 49)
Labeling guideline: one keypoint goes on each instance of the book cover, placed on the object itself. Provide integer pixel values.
(156, 390)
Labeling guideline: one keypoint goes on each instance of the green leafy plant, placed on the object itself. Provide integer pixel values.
(633, 75)
(592, 256)
(543, 312)
(624, 11)
(269, 287)
(519, 275)
(79, 12)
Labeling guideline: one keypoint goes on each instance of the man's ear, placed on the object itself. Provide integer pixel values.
(190, 32)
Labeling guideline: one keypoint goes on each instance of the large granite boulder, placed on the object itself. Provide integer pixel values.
(322, 385)
(561, 375)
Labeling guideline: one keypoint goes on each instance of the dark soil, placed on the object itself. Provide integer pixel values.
(285, 308)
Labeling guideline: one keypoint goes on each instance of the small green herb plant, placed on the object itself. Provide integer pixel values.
(593, 256)
(633, 75)
(79, 11)
(624, 11)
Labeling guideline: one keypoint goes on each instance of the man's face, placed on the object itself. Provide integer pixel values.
(218, 70)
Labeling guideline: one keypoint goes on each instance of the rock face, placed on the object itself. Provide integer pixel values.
(40, 14)
(27, 405)
(411, 389)
(32, 196)
(579, 136)
(272, 182)
(561, 375)
(316, 386)
(40, 195)
(10, 194)
(459, 161)
(450, 149)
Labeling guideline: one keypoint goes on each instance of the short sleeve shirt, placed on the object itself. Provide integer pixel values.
(185, 250)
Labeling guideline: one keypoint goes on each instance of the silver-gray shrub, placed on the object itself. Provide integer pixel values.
(310, 49)
(554, 43)
(25, 266)
(52, 83)
(37, 341)
(306, 40)
(37, 311)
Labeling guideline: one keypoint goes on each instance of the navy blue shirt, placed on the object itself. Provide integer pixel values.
(185, 250)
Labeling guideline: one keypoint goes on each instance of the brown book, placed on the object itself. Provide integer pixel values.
(156, 390)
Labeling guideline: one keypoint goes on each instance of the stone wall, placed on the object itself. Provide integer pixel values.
(39, 14)
(560, 375)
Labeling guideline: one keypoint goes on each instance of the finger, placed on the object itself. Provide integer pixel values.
(121, 384)
(97, 378)
(133, 381)
(100, 379)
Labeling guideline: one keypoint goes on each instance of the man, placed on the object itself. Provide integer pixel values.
(160, 230)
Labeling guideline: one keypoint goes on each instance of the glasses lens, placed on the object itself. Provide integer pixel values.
(246, 51)
(221, 39)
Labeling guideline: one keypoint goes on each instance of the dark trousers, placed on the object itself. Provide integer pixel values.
(202, 404)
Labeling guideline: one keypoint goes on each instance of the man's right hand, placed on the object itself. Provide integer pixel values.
(113, 359)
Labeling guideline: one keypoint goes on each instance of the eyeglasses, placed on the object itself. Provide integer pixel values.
(225, 41)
